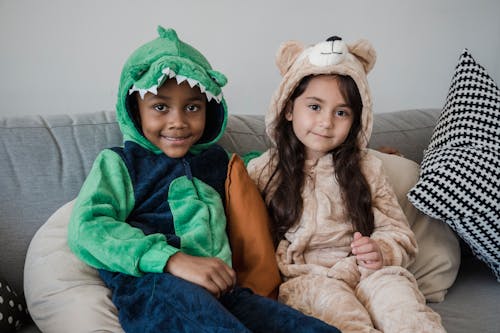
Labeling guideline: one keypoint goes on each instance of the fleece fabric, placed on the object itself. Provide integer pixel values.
(172, 204)
(321, 277)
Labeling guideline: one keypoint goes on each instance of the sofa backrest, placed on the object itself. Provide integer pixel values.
(408, 130)
(45, 159)
(42, 165)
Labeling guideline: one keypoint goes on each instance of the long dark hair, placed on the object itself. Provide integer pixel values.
(287, 179)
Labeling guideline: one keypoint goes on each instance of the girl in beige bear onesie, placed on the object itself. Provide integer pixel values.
(343, 240)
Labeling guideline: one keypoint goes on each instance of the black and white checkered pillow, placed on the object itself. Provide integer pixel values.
(460, 174)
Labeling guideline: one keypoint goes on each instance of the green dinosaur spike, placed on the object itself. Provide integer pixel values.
(169, 34)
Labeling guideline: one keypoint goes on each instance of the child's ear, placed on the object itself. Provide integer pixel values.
(364, 51)
(218, 77)
(286, 55)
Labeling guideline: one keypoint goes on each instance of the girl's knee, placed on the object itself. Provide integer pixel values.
(386, 275)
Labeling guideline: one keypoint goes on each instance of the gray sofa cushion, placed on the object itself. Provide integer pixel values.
(409, 131)
(44, 161)
(472, 303)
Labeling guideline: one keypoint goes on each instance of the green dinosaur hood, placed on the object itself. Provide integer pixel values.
(158, 60)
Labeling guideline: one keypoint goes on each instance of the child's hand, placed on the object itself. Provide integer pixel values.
(210, 273)
(367, 252)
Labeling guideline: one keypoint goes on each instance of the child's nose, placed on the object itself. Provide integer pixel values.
(176, 119)
(326, 120)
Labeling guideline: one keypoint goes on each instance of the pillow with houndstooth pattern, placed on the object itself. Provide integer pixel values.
(460, 174)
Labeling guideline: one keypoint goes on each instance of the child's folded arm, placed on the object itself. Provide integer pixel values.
(98, 232)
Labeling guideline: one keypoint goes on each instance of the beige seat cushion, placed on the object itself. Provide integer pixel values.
(62, 293)
(436, 265)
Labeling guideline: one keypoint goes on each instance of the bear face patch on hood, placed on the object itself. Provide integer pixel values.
(163, 58)
(332, 56)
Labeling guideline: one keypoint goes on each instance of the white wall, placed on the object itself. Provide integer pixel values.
(63, 56)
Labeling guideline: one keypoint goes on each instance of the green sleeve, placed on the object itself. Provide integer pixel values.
(98, 232)
(250, 156)
(246, 157)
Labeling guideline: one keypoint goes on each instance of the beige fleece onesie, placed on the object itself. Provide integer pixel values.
(322, 278)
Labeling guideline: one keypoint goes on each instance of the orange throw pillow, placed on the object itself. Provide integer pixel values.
(248, 228)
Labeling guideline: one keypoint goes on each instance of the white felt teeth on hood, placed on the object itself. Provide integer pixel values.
(210, 96)
(192, 82)
(179, 78)
(153, 90)
(132, 90)
(168, 72)
(142, 92)
(161, 79)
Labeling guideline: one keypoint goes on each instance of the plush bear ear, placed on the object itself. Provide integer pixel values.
(287, 54)
(364, 51)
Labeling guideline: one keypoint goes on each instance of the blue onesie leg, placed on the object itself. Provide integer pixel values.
(261, 314)
(165, 303)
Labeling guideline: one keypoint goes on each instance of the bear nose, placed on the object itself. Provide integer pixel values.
(333, 39)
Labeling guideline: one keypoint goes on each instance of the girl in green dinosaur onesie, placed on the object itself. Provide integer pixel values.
(150, 215)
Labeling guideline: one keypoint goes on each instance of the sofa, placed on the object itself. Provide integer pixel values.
(44, 160)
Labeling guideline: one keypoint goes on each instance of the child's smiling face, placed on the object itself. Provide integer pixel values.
(174, 119)
(320, 116)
